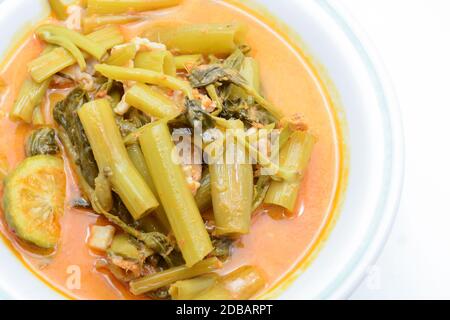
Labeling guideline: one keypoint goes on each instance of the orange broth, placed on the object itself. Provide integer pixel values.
(277, 244)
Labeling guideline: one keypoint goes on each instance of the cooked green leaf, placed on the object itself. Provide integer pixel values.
(77, 145)
(132, 121)
(195, 115)
(261, 187)
(65, 114)
(103, 189)
(42, 142)
(205, 75)
(235, 60)
(222, 248)
(250, 115)
(217, 74)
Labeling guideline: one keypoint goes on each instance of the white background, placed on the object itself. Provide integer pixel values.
(413, 39)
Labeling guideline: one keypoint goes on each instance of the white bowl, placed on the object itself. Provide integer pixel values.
(374, 139)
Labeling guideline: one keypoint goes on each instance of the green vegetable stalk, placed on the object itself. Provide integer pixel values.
(167, 277)
(176, 198)
(98, 122)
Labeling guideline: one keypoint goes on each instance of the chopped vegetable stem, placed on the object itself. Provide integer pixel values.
(53, 61)
(232, 193)
(242, 284)
(138, 159)
(200, 38)
(125, 6)
(93, 22)
(167, 277)
(203, 196)
(81, 41)
(145, 76)
(107, 37)
(188, 289)
(295, 155)
(38, 117)
(176, 198)
(66, 44)
(158, 61)
(151, 102)
(59, 7)
(31, 95)
(186, 62)
(122, 56)
(110, 153)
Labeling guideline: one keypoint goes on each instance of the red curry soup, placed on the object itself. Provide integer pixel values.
(163, 150)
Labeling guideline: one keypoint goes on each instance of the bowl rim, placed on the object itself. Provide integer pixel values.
(355, 270)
